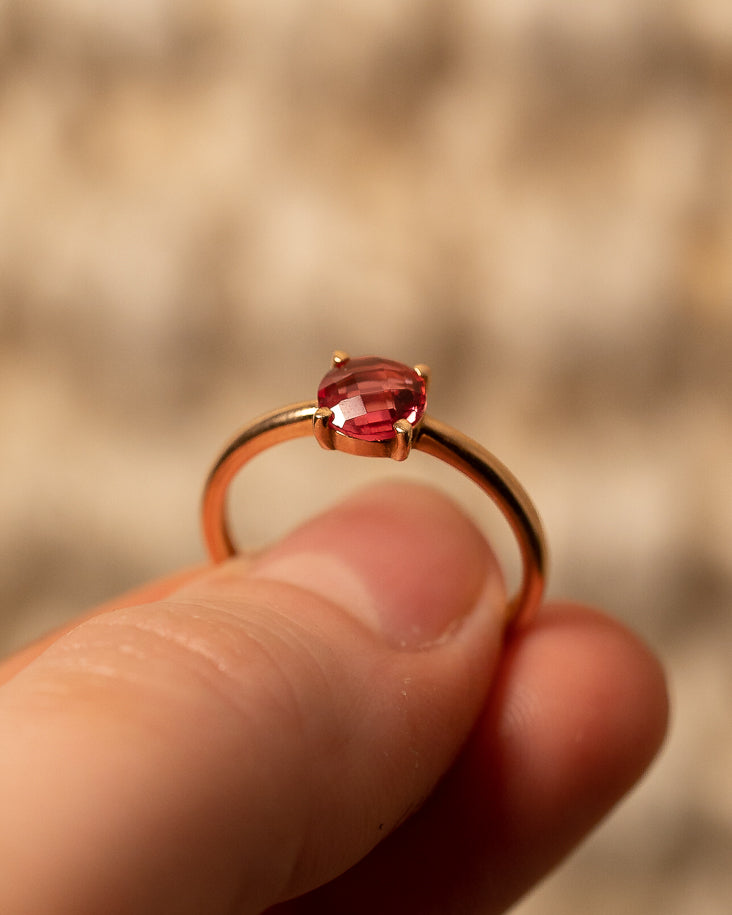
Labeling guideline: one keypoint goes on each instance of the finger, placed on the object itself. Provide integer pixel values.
(153, 591)
(577, 712)
(257, 732)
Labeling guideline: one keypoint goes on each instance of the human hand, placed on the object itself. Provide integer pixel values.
(330, 727)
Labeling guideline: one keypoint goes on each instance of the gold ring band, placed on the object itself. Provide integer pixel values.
(427, 435)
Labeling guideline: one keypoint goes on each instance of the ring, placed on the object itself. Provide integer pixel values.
(376, 408)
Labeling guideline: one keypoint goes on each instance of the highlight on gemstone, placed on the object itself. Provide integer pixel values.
(367, 395)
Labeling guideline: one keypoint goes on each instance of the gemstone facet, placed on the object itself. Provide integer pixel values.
(368, 395)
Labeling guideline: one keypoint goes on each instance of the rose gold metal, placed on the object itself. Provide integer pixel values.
(424, 372)
(339, 358)
(431, 437)
(322, 428)
(402, 441)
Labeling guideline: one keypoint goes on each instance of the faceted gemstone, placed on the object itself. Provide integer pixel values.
(368, 395)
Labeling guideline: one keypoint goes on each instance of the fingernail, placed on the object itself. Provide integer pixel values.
(401, 558)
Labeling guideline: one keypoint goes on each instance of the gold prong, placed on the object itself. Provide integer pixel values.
(322, 429)
(338, 358)
(424, 372)
(402, 442)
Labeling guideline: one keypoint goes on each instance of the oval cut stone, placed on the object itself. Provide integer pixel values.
(368, 395)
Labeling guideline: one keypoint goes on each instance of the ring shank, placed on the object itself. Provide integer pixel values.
(432, 437)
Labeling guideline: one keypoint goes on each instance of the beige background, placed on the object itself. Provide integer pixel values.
(198, 201)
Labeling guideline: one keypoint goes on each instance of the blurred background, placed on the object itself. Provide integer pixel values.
(199, 201)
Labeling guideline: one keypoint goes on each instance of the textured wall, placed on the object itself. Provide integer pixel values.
(199, 201)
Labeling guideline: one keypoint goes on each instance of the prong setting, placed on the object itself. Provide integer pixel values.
(377, 406)
(322, 429)
(338, 359)
(402, 442)
(424, 372)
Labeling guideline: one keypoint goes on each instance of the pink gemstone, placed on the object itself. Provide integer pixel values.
(368, 395)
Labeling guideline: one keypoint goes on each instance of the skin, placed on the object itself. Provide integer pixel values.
(296, 733)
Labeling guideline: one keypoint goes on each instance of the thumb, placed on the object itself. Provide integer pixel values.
(259, 731)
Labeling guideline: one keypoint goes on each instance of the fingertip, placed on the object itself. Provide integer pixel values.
(577, 712)
(403, 558)
(580, 701)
